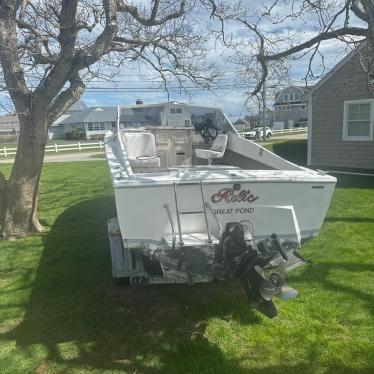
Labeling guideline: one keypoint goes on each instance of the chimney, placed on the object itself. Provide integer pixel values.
(139, 102)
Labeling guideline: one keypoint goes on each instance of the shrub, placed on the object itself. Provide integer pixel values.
(76, 134)
(97, 136)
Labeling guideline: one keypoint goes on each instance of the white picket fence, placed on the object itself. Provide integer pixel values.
(293, 130)
(7, 151)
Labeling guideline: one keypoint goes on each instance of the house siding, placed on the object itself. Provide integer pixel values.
(295, 115)
(328, 148)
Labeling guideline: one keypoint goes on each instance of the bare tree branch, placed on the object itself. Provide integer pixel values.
(152, 19)
(10, 62)
(357, 31)
(66, 98)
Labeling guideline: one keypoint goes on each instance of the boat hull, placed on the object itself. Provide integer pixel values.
(293, 210)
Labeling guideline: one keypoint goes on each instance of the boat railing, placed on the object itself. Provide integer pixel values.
(166, 206)
(209, 207)
(178, 216)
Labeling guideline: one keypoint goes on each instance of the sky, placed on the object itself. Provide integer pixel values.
(138, 83)
(230, 97)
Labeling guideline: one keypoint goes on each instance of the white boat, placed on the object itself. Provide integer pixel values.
(196, 202)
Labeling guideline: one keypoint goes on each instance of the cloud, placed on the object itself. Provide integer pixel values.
(229, 97)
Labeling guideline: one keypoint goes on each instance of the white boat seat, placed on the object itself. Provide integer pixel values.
(141, 149)
(216, 151)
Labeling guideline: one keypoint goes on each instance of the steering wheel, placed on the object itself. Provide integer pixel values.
(207, 130)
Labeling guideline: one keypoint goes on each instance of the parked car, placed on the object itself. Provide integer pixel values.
(257, 133)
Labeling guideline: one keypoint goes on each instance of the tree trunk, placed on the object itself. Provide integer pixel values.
(19, 211)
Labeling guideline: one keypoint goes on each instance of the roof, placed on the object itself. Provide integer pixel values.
(79, 105)
(302, 90)
(241, 121)
(341, 63)
(60, 119)
(92, 114)
(153, 105)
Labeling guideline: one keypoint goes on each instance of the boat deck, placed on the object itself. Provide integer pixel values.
(124, 176)
(219, 173)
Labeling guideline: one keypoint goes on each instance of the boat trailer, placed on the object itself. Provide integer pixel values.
(260, 266)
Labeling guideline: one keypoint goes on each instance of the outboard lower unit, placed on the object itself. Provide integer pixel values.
(261, 269)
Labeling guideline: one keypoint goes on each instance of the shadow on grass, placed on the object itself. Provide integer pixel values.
(353, 181)
(85, 319)
(292, 150)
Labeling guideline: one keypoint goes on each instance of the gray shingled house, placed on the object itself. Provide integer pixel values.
(291, 108)
(341, 116)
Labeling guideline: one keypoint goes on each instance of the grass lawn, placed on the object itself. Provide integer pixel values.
(60, 310)
(292, 150)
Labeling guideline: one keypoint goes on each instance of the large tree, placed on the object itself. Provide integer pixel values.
(285, 30)
(49, 49)
(270, 35)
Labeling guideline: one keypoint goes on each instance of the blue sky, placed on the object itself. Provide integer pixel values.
(232, 98)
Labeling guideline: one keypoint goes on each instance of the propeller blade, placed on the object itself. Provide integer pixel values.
(286, 293)
(260, 272)
(267, 308)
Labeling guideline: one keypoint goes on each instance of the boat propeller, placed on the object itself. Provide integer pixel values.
(262, 279)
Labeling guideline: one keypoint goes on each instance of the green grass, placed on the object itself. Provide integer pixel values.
(292, 150)
(60, 310)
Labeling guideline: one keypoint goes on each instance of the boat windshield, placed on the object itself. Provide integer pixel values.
(210, 116)
(174, 115)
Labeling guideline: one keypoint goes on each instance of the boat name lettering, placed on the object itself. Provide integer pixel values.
(228, 195)
(234, 211)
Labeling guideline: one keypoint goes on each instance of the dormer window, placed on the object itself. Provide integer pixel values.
(175, 110)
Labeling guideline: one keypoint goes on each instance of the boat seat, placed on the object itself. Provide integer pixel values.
(141, 149)
(216, 151)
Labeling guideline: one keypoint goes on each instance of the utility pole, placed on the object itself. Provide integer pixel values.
(263, 94)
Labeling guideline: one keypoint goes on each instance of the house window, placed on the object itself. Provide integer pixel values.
(96, 126)
(285, 97)
(303, 107)
(179, 110)
(172, 110)
(186, 122)
(358, 120)
(296, 96)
